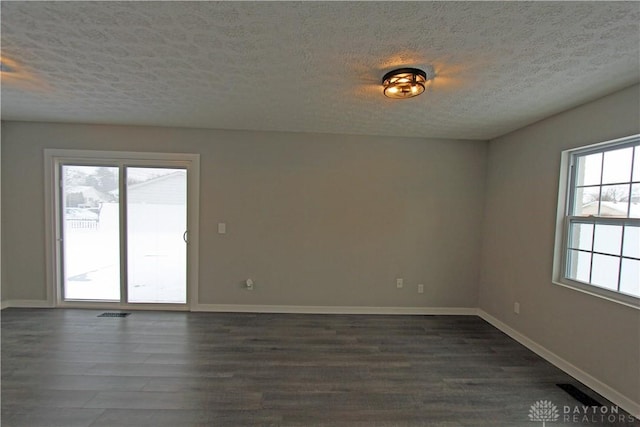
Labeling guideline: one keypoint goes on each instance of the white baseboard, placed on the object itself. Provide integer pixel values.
(26, 303)
(596, 385)
(308, 309)
(91, 305)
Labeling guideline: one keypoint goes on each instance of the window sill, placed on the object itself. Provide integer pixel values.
(615, 297)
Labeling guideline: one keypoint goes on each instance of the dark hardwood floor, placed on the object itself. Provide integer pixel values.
(64, 367)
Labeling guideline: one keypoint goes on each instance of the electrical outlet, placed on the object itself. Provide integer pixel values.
(421, 289)
(399, 283)
(516, 307)
(249, 284)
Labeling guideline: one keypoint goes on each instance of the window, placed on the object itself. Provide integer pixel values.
(599, 212)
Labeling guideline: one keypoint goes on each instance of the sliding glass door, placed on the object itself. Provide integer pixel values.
(90, 212)
(156, 235)
(123, 232)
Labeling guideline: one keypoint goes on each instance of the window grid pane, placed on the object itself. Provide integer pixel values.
(607, 239)
(586, 201)
(589, 169)
(579, 265)
(630, 277)
(636, 164)
(616, 166)
(631, 244)
(634, 206)
(605, 271)
(614, 200)
(581, 237)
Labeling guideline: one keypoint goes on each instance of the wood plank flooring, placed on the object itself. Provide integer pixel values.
(63, 367)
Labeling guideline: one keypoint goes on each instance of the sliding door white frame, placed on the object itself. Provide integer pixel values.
(53, 158)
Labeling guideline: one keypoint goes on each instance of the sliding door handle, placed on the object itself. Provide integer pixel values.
(185, 236)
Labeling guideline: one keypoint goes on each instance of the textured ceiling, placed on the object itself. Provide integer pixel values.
(313, 66)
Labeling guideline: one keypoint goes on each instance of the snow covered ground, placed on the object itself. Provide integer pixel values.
(156, 256)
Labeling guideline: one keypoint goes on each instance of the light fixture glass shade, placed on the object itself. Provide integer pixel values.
(404, 83)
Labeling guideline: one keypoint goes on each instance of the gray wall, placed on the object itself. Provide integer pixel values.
(2, 272)
(598, 336)
(313, 219)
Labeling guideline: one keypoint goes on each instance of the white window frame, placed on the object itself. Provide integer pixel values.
(53, 158)
(564, 221)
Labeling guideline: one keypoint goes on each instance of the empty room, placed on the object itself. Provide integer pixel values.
(320, 214)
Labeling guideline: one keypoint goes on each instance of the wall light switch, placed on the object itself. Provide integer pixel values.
(399, 283)
(516, 307)
(222, 228)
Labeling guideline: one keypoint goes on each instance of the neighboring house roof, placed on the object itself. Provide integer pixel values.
(616, 209)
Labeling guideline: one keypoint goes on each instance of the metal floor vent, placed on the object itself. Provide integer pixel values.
(114, 314)
(579, 395)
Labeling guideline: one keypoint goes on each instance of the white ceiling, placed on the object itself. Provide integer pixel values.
(314, 66)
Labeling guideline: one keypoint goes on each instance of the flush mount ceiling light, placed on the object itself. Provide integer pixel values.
(404, 83)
